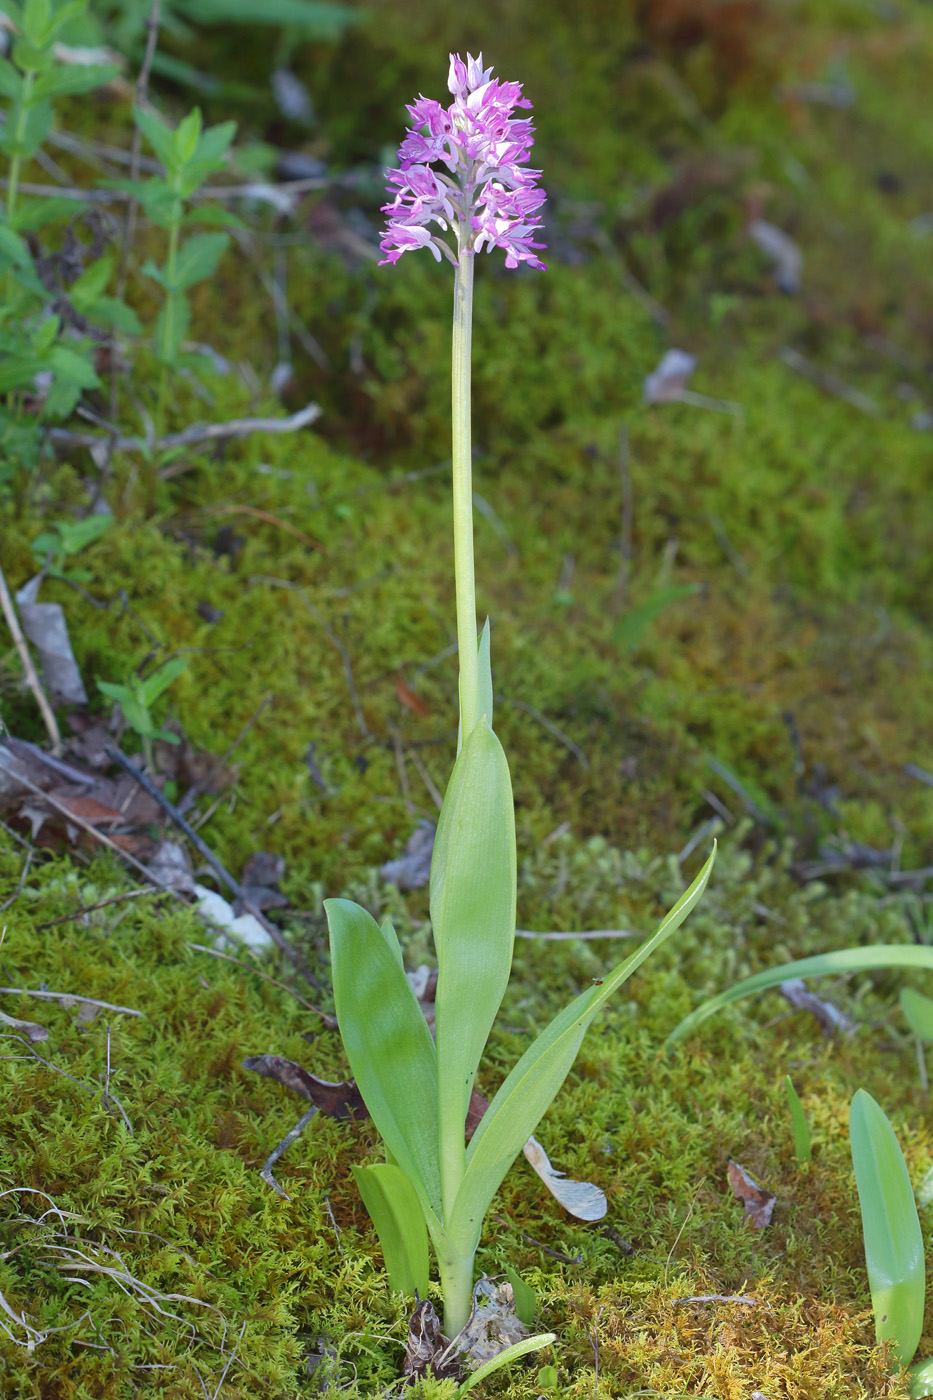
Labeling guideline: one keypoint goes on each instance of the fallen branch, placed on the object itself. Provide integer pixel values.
(829, 383)
(197, 433)
(69, 999)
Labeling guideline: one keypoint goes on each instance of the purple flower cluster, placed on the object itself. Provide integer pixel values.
(482, 192)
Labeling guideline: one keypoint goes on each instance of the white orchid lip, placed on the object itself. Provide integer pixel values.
(490, 198)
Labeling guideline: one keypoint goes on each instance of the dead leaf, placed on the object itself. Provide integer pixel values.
(580, 1198)
(493, 1325)
(260, 883)
(29, 1029)
(759, 1203)
(410, 698)
(784, 253)
(412, 869)
(169, 867)
(667, 383)
(45, 626)
(342, 1100)
(831, 1019)
(425, 1342)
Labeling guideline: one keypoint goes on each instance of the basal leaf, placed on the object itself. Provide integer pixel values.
(396, 1213)
(388, 1044)
(891, 1228)
(918, 1012)
(528, 1091)
(473, 917)
(803, 1149)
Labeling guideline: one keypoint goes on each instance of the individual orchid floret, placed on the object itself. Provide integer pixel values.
(484, 192)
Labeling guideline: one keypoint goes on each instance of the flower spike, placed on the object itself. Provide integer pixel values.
(484, 191)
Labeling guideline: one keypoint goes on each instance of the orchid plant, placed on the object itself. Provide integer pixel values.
(462, 185)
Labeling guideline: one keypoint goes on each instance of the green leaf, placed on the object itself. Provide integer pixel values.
(73, 78)
(13, 248)
(158, 134)
(92, 283)
(10, 81)
(918, 1012)
(530, 1088)
(867, 959)
(156, 684)
(212, 147)
(110, 311)
(391, 938)
(548, 1378)
(921, 1379)
(483, 693)
(36, 213)
(198, 259)
(315, 20)
(36, 22)
(74, 366)
(395, 1210)
(505, 1358)
(388, 1044)
(803, 1149)
(891, 1228)
(526, 1301)
(186, 137)
(631, 629)
(214, 215)
(473, 873)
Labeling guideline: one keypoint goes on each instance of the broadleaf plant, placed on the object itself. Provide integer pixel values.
(418, 1092)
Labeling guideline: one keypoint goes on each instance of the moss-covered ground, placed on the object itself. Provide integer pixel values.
(799, 674)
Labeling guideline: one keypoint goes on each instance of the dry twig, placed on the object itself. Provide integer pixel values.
(32, 675)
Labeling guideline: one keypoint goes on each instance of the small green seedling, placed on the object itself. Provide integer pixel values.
(891, 1228)
(65, 538)
(803, 1149)
(137, 698)
(548, 1378)
(526, 1301)
(630, 631)
(918, 1013)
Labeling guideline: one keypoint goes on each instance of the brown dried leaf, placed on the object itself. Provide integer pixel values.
(425, 1342)
(410, 698)
(759, 1203)
(342, 1100)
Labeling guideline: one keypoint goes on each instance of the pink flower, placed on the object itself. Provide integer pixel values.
(484, 193)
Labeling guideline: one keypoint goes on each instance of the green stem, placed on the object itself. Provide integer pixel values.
(463, 490)
(168, 326)
(16, 161)
(456, 1274)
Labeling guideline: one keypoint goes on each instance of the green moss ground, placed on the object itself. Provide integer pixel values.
(806, 525)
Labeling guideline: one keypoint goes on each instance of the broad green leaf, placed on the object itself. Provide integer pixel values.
(157, 134)
(878, 955)
(629, 632)
(473, 873)
(198, 259)
(526, 1301)
(803, 1149)
(74, 366)
(156, 684)
(33, 131)
(528, 1091)
(73, 79)
(891, 1228)
(388, 1044)
(396, 1213)
(548, 1378)
(14, 10)
(213, 214)
(918, 1012)
(505, 1358)
(213, 145)
(16, 371)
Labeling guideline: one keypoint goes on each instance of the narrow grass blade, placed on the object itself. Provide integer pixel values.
(388, 1043)
(918, 1012)
(891, 1228)
(473, 917)
(504, 1358)
(880, 955)
(803, 1149)
(529, 1089)
(396, 1213)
